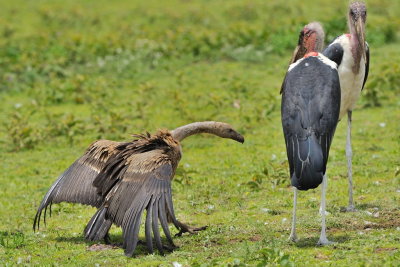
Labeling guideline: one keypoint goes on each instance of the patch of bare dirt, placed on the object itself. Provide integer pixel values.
(321, 256)
(380, 250)
(384, 219)
(101, 247)
(255, 238)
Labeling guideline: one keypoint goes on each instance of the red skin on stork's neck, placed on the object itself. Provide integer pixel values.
(355, 45)
(310, 43)
(355, 51)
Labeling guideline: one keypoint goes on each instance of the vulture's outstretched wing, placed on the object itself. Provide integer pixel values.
(143, 182)
(75, 185)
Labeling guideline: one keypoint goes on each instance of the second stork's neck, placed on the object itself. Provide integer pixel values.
(355, 49)
(182, 132)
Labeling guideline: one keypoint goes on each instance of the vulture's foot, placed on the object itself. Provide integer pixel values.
(191, 230)
(169, 248)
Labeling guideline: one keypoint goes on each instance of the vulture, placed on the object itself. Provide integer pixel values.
(123, 179)
(309, 112)
(353, 70)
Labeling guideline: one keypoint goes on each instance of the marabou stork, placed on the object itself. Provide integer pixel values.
(311, 39)
(353, 73)
(310, 112)
(122, 179)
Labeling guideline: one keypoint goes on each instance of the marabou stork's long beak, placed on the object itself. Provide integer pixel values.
(360, 32)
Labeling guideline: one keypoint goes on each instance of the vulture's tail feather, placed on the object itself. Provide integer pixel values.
(98, 226)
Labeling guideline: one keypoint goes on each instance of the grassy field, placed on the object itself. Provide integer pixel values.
(75, 71)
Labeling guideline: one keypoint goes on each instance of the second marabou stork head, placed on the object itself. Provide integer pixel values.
(357, 17)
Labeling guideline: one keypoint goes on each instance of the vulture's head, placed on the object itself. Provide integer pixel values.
(224, 130)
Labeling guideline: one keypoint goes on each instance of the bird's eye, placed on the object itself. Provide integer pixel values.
(351, 12)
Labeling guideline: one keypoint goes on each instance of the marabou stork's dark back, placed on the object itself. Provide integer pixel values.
(310, 112)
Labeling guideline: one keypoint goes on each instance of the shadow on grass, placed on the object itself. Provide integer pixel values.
(310, 242)
(363, 206)
(117, 242)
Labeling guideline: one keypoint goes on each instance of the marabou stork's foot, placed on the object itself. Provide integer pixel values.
(350, 208)
(323, 241)
(320, 212)
(191, 230)
(293, 238)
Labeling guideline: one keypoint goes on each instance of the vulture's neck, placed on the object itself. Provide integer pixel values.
(182, 132)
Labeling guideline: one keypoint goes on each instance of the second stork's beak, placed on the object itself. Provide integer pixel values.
(360, 30)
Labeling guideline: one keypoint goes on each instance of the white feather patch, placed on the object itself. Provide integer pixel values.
(320, 56)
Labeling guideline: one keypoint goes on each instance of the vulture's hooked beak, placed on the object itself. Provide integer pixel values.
(239, 138)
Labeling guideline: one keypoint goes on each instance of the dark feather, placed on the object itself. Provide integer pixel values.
(148, 226)
(139, 178)
(366, 65)
(75, 184)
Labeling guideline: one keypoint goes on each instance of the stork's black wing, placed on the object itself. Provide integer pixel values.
(75, 185)
(366, 65)
(310, 111)
(142, 182)
(334, 52)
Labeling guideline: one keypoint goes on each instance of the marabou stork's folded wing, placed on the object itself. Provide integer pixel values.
(75, 184)
(310, 109)
(366, 64)
(141, 182)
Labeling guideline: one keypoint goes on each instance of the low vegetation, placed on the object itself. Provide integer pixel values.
(72, 72)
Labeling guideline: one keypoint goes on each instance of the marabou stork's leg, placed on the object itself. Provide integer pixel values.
(322, 239)
(293, 236)
(349, 155)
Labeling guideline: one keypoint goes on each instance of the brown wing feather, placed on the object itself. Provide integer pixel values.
(138, 179)
(75, 185)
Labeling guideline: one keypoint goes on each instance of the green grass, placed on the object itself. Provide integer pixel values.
(73, 72)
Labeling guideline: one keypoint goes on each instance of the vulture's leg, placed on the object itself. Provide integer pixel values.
(349, 155)
(322, 239)
(184, 228)
(107, 239)
(293, 236)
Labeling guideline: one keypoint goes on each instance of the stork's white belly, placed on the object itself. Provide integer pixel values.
(351, 86)
(350, 83)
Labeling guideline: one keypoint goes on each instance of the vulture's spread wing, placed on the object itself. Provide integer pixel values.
(135, 183)
(75, 184)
